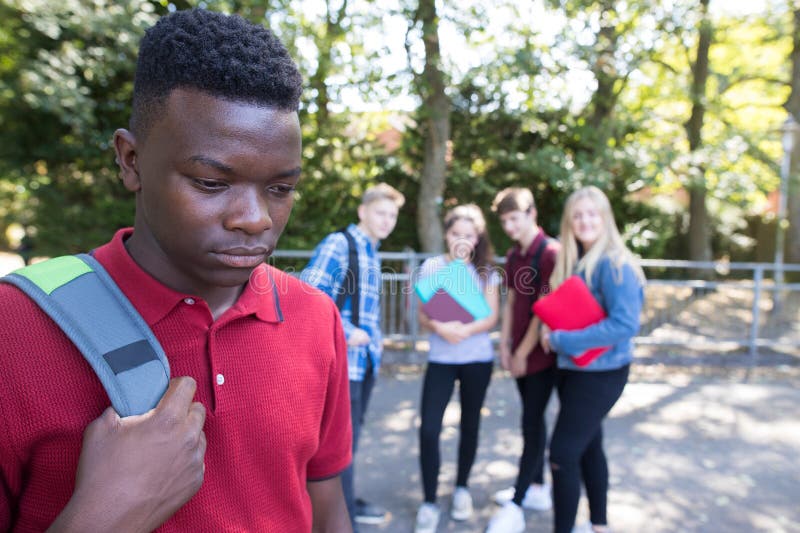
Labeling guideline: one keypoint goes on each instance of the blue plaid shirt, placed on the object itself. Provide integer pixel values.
(327, 269)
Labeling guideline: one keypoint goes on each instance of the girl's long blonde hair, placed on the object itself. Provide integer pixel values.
(609, 243)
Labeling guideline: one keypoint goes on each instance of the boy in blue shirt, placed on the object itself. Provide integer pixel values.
(346, 267)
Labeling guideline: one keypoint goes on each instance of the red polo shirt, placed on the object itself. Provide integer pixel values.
(271, 371)
(528, 284)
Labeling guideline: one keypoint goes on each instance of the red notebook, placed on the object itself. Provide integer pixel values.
(571, 306)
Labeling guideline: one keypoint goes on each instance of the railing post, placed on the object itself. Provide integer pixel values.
(412, 264)
(758, 280)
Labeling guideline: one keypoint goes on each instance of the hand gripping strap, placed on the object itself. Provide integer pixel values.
(80, 296)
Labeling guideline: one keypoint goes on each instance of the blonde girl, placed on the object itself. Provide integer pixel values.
(592, 248)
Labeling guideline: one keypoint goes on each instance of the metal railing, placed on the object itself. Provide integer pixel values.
(708, 306)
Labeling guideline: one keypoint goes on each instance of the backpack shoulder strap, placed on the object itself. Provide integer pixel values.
(350, 287)
(535, 261)
(537, 256)
(80, 296)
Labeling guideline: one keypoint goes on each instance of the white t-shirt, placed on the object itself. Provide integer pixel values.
(474, 349)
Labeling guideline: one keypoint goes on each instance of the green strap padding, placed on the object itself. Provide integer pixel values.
(85, 302)
(52, 274)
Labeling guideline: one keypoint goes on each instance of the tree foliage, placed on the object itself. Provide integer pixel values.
(64, 86)
(549, 95)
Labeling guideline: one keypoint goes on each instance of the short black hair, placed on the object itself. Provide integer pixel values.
(222, 55)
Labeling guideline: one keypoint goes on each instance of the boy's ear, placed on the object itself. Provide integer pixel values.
(361, 212)
(125, 148)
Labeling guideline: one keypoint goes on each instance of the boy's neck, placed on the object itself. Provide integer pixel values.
(363, 229)
(526, 240)
(218, 298)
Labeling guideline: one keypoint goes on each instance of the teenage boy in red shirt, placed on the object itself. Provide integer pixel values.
(529, 263)
(254, 431)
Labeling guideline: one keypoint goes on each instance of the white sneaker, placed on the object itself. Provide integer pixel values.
(509, 519)
(537, 497)
(461, 508)
(427, 518)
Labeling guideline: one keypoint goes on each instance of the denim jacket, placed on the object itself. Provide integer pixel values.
(622, 301)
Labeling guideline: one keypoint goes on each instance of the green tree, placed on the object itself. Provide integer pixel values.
(65, 84)
(735, 151)
(548, 95)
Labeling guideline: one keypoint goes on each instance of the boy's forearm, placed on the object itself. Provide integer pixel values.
(329, 512)
(529, 341)
(507, 318)
(505, 324)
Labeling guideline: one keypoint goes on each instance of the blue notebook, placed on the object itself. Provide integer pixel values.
(458, 282)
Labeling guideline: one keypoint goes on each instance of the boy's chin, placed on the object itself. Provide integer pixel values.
(234, 277)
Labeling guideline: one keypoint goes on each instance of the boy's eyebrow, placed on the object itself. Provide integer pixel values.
(205, 160)
(296, 171)
(219, 165)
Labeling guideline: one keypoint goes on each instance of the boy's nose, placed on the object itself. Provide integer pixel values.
(249, 213)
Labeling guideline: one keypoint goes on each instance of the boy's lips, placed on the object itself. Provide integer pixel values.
(242, 257)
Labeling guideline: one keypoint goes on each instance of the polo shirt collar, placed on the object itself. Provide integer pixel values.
(154, 300)
(532, 248)
(261, 296)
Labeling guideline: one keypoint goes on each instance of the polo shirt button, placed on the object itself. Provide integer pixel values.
(189, 301)
(220, 379)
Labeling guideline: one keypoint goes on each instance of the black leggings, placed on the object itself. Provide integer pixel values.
(534, 390)
(576, 449)
(436, 391)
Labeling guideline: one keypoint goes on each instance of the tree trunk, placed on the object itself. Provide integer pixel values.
(605, 97)
(317, 81)
(793, 106)
(436, 116)
(325, 43)
(699, 227)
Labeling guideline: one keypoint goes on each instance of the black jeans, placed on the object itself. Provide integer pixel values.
(360, 392)
(438, 386)
(534, 390)
(576, 450)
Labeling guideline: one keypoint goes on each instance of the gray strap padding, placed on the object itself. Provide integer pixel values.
(109, 332)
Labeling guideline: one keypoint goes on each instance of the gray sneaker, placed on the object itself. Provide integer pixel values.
(427, 518)
(508, 519)
(461, 508)
(368, 513)
(537, 497)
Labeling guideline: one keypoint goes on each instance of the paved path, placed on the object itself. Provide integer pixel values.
(686, 453)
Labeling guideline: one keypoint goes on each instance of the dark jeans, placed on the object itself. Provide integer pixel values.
(576, 450)
(438, 386)
(360, 392)
(534, 390)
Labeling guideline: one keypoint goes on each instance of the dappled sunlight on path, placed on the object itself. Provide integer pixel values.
(686, 453)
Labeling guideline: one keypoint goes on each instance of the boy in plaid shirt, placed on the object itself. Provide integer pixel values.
(356, 290)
